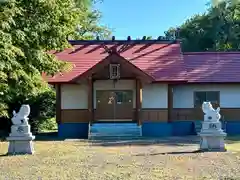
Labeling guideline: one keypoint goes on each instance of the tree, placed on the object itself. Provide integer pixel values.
(146, 38)
(215, 3)
(216, 30)
(28, 30)
(88, 27)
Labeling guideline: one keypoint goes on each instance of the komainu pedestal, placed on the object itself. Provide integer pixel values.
(212, 135)
(20, 138)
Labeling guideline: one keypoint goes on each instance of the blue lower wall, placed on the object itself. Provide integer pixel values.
(160, 129)
(233, 128)
(73, 130)
(183, 128)
(156, 129)
(149, 129)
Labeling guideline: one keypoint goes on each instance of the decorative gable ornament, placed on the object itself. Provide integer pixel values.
(114, 71)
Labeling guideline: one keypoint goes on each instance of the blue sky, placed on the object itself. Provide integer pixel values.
(137, 18)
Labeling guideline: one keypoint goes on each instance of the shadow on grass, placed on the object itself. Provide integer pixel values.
(3, 155)
(108, 142)
(48, 136)
(171, 141)
(172, 153)
(164, 141)
(53, 136)
(233, 139)
(143, 141)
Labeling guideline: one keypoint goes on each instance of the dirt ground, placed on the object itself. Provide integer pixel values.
(173, 158)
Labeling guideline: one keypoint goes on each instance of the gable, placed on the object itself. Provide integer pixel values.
(162, 61)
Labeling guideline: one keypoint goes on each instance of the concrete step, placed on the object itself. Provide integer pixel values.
(114, 131)
(118, 133)
(114, 138)
(99, 125)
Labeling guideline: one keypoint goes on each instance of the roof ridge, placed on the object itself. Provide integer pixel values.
(211, 52)
(97, 42)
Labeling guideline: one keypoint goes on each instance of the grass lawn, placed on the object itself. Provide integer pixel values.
(152, 160)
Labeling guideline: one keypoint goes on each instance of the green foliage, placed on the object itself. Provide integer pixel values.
(89, 27)
(42, 107)
(48, 125)
(216, 30)
(28, 30)
(147, 38)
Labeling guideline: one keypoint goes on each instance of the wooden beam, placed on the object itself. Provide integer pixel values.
(170, 102)
(138, 101)
(58, 103)
(90, 100)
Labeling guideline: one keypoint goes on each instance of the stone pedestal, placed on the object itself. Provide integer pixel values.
(212, 137)
(20, 140)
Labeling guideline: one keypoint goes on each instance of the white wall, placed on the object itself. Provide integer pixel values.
(74, 96)
(120, 85)
(229, 95)
(155, 96)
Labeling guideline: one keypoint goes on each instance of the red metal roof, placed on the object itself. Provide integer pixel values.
(163, 61)
(213, 67)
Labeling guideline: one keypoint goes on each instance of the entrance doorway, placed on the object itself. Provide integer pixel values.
(114, 105)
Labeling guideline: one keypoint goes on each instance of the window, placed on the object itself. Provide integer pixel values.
(211, 96)
(124, 97)
(114, 71)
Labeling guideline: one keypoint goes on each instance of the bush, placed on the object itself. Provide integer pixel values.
(48, 125)
(42, 109)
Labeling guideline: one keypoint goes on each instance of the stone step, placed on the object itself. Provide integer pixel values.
(118, 135)
(114, 137)
(115, 125)
(124, 131)
(114, 131)
(197, 126)
(95, 130)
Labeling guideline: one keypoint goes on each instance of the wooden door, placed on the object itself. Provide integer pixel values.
(105, 101)
(114, 105)
(124, 105)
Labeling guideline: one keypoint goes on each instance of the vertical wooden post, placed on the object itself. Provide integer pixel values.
(138, 102)
(170, 102)
(58, 103)
(90, 100)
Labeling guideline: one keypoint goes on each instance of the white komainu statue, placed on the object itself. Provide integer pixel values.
(210, 114)
(21, 118)
(212, 135)
(20, 138)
